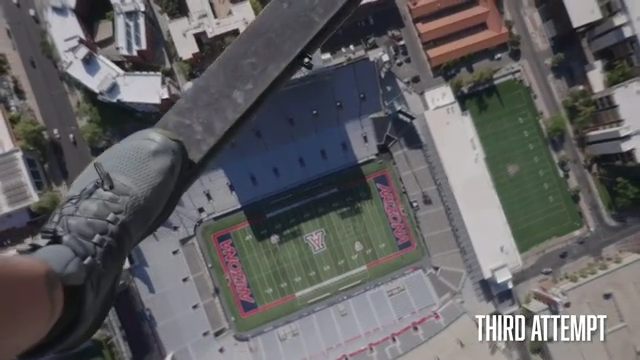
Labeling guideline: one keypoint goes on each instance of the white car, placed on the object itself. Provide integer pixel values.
(33, 14)
(16, 3)
(56, 134)
(72, 138)
(547, 271)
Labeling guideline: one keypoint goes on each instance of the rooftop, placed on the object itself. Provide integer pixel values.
(615, 294)
(129, 26)
(463, 160)
(17, 190)
(458, 341)
(583, 12)
(94, 71)
(455, 34)
(624, 137)
(202, 20)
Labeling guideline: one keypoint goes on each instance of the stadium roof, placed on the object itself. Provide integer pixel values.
(463, 159)
(583, 12)
(17, 189)
(94, 71)
(328, 109)
(202, 20)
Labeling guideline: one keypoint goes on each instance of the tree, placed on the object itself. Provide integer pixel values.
(92, 133)
(618, 73)
(109, 16)
(575, 193)
(509, 24)
(580, 107)
(535, 347)
(514, 41)
(557, 59)
(183, 67)
(4, 65)
(30, 134)
(626, 193)
(46, 48)
(556, 126)
(256, 6)
(48, 201)
(457, 83)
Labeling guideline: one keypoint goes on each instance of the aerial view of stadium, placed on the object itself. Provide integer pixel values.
(405, 179)
(307, 244)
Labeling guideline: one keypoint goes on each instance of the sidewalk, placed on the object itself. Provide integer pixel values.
(8, 48)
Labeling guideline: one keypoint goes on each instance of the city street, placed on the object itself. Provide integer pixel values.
(48, 89)
(592, 246)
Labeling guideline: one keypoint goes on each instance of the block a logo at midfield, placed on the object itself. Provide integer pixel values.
(316, 241)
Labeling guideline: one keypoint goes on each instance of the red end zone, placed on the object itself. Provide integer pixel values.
(239, 284)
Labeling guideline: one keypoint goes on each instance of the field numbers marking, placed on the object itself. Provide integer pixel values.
(368, 251)
(283, 285)
(313, 273)
(531, 147)
(383, 245)
(326, 268)
(340, 262)
(353, 257)
(297, 279)
(269, 291)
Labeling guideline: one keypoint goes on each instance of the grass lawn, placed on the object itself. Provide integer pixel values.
(330, 235)
(535, 198)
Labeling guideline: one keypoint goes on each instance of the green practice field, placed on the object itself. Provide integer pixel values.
(535, 198)
(290, 251)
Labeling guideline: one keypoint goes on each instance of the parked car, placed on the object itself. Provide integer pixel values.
(56, 134)
(33, 14)
(72, 138)
(16, 3)
(547, 271)
(403, 48)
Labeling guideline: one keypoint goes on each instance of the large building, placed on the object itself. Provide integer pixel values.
(464, 163)
(450, 29)
(81, 58)
(21, 178)
(205, 21)
(618, 124)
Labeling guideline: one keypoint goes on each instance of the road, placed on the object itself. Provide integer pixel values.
(49, 91)
(592, 246)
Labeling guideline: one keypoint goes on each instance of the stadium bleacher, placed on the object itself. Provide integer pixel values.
(381, 323)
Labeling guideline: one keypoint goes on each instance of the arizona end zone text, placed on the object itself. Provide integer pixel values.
(543, 327)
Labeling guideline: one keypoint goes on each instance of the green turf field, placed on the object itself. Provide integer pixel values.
(333, 234)
(535, 198)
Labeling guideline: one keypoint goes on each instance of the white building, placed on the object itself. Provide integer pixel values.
(20, 179)
(143, 91)
(130, 26)
(463, 159)
(622, 28)
(583, 12)
(202, 22)
(617, 110)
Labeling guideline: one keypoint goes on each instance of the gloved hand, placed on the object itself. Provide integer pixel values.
(118, 201)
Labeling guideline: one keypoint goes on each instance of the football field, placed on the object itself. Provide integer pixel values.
(288, 252)
(535, 198)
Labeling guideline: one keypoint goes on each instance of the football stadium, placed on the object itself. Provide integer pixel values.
(294, 249)
(345, 221)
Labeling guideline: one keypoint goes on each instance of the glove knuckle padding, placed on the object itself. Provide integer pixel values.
(87, 238)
